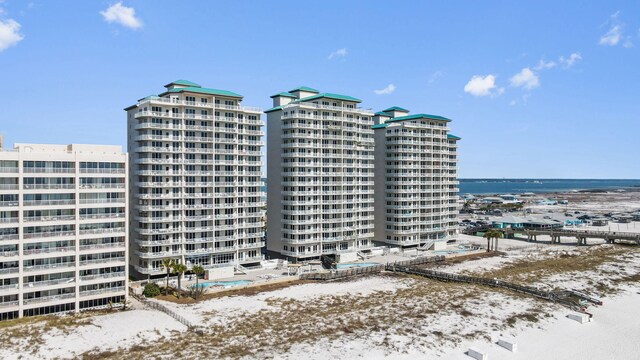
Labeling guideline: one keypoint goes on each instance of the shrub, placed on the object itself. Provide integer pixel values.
(151, 290)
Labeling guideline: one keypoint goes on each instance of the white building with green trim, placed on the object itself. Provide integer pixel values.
(320, 176)
(196, 179)
(416, 189)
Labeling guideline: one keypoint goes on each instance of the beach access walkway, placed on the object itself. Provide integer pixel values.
(570, 298)
(581, 236)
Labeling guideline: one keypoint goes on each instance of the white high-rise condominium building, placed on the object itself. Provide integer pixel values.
(416, 180)
(63, 228)
(319, 176)
(195, 179)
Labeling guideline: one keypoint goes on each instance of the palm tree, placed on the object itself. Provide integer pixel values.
(492, 234)
(168, 264)
(180, 269)
(198, 270)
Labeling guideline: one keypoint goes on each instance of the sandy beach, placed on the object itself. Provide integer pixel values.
(387, 316)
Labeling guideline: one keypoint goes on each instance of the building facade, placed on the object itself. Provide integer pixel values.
(195, 179)
(320, 176)
(63, 228)
(416, 190)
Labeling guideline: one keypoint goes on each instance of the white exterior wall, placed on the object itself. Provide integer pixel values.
(63, 228)
(320, 179)
(196, 182)
(417, 175)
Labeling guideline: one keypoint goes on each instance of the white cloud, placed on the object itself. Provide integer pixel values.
(340, 53)
(125, 16)
(615, 35)
(572, 59)
(388, 90)
(612, 37)
(525, 78)
(480, 85)
(545, 65)
(9, 33)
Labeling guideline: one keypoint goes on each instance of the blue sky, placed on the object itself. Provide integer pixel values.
(545, 89)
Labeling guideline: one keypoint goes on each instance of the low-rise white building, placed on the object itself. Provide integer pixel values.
(63, 228)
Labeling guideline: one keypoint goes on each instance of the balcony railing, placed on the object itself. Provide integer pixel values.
(48, 234)
(63, 265)
(51, 298)
(48, 170)
(101, 261)
(102, 276)
(102, 291)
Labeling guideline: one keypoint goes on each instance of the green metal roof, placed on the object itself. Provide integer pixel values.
(418, 116)
(305, 88)
(452, 137)
(285, 94)
(201, 90)
(330, 96)
(395, 108)
(273, 109)
(319, 96)
(379, 126)
(184, 83)
(382, 113)
(149, 97)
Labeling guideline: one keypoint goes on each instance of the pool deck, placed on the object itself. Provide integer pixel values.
(261, 277)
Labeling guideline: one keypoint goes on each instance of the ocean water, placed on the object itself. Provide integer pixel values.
(519, 186)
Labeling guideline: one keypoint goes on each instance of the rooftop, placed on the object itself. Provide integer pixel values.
(395, 108)
(313, 97)
(183, 83)
(285, 94)
(201, 90)
(304, 88)
(418, 116)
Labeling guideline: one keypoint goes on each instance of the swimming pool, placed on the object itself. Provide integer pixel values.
(460, 249)
(346, 266)
(225, 284)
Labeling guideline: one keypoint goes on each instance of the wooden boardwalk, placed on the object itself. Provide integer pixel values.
(570, 298)
(581, 236)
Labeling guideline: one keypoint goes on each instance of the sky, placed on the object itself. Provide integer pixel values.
(535, 89)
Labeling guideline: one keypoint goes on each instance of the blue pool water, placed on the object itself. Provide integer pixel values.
(225, 284)
(460, 249)
(346, 266)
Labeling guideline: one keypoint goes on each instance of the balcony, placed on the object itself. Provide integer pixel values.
(48, 170)
(57, 266)
(48, 283)
(102, 261)
(49, 250)
(48, 234)
(10, 270)
(102, 231)
(102, 171)
(52, 298)
(102, 276)
(9, 304)
(47, 202)
(102, 291)
(115, 245)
